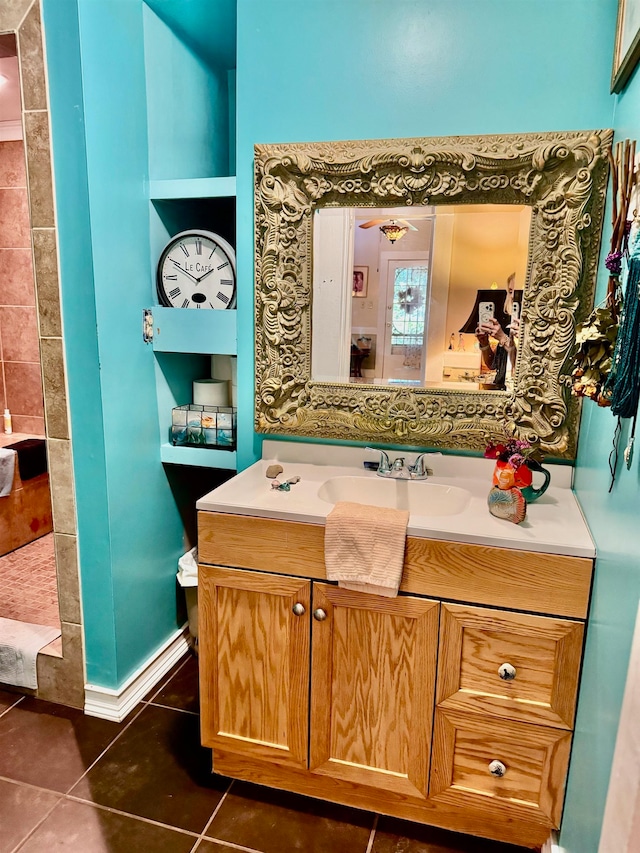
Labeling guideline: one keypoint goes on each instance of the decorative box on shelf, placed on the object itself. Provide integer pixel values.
(204, 426)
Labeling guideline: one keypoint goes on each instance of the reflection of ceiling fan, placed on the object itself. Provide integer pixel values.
(393, 229)
(401, 222)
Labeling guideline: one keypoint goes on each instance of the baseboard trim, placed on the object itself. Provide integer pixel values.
(110, 704)
(551, 845)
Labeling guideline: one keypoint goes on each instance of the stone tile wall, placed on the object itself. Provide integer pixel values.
(20, 372)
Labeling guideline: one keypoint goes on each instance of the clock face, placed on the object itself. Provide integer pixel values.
(197, 269)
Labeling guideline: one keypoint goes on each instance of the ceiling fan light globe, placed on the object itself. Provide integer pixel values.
(393, 231)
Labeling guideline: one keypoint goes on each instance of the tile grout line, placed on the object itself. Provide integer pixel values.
(170, 708)
(11, 707)
(105, 750)
(215, 812)
(37, 826)
(372, 834)
(230, 844)
(163, 683)
(72, 799)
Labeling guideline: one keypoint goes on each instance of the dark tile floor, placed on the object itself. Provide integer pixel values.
(83, 785)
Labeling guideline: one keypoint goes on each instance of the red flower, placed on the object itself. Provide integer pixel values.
(494, 451)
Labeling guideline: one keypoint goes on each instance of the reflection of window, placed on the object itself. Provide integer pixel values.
(409, 310)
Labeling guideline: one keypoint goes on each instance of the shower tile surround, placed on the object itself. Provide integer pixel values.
(19, 345)
(60, 679)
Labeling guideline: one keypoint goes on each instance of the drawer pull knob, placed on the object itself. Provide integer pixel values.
(497, 768)
(299, 609)
(319, 615)
(507, 672)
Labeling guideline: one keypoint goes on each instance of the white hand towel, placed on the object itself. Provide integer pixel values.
(364, 547)
(7, 469)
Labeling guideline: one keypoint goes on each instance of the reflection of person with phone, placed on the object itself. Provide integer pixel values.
(505, 350)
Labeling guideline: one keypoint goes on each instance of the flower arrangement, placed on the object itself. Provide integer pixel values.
(512, 451)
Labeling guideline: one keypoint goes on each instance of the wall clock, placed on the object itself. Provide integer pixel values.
(197, 269)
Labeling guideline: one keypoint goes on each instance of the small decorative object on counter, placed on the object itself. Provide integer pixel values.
(286, 486)
(204, 426)
(273, 471)
(513, 479)
(515, 462)
(508, 504)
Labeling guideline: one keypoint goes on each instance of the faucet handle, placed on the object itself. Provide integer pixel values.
(419, 470)
(384, 465)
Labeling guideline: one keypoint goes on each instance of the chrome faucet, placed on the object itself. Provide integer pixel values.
(397, 470)
(384, 466)
(419, 471)
(398, 467)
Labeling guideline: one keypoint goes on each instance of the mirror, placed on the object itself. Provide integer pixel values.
(411, 290)
(559, 177)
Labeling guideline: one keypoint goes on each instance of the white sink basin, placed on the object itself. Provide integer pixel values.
(420, 497)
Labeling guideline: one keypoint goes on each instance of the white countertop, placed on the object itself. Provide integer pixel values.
(554, 523)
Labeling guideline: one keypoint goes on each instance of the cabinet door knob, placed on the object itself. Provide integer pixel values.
(497, 768)
(507, 672)
(319, 615)
(299, 609)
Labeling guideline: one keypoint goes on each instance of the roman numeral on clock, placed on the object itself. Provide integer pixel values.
(175, 292)
(198, 246)
(222, 297)
(222, 266)
(185, 304)
(171, 277)
(184, 249)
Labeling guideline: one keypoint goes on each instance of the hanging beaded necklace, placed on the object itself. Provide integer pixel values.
(623, 382)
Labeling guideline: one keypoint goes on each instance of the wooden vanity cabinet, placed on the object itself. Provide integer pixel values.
(432, 706)
(369, 682)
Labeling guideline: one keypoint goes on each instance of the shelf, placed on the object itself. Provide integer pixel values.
(201, 457)
(192, 188)
(190, 331)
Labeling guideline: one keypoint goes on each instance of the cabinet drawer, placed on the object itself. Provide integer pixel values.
(470, 748)
(513, 665)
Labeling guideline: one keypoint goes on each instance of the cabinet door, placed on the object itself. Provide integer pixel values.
(514, 665)
(254, 664)
(372, 688)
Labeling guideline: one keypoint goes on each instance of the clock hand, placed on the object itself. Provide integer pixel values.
(208, 272)
(183, 270)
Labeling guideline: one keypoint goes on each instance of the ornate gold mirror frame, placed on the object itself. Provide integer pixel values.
(562, 176)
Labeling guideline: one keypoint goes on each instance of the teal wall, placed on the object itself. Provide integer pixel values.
(613, 519)
(186, 103)
(130, 530)
(357, 69)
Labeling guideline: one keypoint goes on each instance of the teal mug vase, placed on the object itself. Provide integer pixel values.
(530, 493)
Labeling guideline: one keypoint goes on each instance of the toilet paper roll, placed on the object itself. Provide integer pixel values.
(221, 366)
(211, 392)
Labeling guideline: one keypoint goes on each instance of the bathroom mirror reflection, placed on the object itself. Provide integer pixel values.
(399, 295)
(558, 177)
(27, 554)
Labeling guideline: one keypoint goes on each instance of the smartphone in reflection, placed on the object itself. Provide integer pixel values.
(486, 312)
